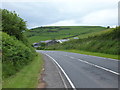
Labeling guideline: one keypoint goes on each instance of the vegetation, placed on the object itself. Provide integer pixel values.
(15, 55)
(0, 60)
(105, 42)
(0, 50)
(21, 65)
(27, 77)
(13, 25)
(61, 32)
(16, 51)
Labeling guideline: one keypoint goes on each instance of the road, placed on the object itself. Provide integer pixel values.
(85, 71)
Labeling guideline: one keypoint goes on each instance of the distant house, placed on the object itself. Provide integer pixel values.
(75, 38)
(63, 40)
(52, 42)
(49, 42)
(36, 44)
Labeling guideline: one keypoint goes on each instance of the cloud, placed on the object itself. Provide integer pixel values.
(99, 18)
(103, 17)
(64, 23)
(64, 12)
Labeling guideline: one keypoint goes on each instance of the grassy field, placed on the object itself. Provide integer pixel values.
(48, 33)
(103, 42)
(27, 77)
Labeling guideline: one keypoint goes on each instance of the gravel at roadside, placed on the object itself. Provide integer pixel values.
(53, 77)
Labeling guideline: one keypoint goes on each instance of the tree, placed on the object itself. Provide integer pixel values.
(12, 24)
(108, 26)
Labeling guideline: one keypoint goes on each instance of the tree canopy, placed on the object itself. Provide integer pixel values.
(12, 24)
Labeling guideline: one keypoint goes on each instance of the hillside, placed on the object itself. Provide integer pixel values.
(60, 32)
(104, 42)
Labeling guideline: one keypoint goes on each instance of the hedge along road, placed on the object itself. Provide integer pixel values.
(85, 71)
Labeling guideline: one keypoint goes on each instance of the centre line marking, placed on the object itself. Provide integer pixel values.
(99, 67)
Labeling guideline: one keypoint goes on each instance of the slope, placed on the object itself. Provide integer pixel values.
(104, 42)
(60, 32)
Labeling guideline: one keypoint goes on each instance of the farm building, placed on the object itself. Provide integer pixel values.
(49, 42)
(36, 44)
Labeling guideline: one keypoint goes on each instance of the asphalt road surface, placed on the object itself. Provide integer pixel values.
(85, 71)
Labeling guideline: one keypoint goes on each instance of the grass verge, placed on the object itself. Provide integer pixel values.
(93, 54)
(27, 77)
(0, 73)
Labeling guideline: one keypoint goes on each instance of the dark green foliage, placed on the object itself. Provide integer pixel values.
(107, 42)
(15, 55)
(12, 24)
(108, 27)
(41, 47)
(16, 50)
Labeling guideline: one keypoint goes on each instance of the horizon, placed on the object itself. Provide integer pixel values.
(65, 13)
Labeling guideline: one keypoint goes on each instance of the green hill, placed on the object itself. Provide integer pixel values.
(60, 32)
(103, 42)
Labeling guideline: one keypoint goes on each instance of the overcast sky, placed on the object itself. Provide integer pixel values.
(65, 12)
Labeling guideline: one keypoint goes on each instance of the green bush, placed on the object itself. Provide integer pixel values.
(12, 24)
(15, 55)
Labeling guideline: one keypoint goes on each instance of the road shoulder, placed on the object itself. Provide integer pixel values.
(53, 77)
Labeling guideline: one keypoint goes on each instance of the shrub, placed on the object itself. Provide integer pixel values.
(12, 24)
(15, 55)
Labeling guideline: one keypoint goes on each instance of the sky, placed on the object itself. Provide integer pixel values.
(65, 12)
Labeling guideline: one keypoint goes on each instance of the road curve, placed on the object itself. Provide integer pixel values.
(85, 71)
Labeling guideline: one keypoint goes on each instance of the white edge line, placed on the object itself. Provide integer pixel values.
(63, 72)
(99, 67)
(61, 76)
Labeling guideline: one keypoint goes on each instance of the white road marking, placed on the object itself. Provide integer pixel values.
(96, 66)
(61, 76)
(63, 72)
(99, 67)
(65, 55)
(72, 57)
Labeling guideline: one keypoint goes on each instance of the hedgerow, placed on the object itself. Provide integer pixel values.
(16, 50)
(15, 55)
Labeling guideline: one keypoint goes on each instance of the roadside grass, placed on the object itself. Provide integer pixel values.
(0, 59)
(0, 73)
(27, 77)
(104, 44)
(93, 54)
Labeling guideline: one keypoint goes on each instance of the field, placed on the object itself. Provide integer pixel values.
(61, 32)
(102, 42)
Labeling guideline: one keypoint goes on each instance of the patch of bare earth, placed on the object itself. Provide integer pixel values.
(41, 82)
